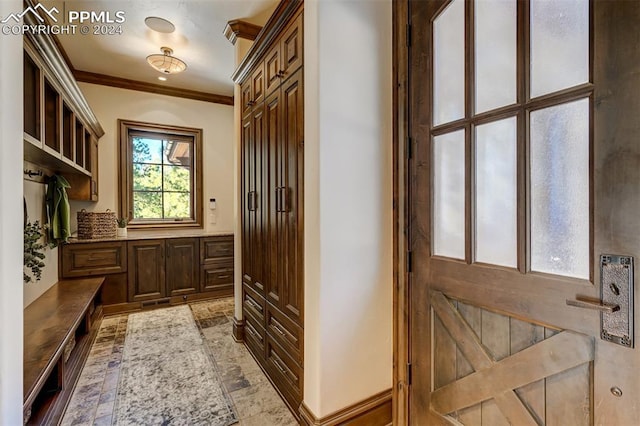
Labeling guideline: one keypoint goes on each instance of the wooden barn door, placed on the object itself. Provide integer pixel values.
(524, 169)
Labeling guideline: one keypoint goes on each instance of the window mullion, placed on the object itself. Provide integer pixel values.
(469, 138)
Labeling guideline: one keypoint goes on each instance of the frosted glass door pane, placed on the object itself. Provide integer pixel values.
(560, 189)
(559, 45)
(496, 189)
(448, 84)
(448, 195)
(495, 37)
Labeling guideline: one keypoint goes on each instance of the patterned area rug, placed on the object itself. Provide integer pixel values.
(167, 374)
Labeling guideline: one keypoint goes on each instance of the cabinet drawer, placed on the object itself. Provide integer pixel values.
(253, 304)
(216, 275)
(288, 334)
(287, 374)
(254, 336)
(213, 248)
(81, 260)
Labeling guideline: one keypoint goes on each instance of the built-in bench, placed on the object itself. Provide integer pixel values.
(59, 328)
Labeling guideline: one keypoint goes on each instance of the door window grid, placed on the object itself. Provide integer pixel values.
(519, 111)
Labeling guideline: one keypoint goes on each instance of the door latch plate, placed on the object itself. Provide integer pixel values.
(616, 287)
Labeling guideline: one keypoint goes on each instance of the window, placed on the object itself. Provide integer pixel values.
(510, 134)
(160, 175)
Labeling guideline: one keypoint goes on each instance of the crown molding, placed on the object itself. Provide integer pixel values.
(141, 86)
(241, 29)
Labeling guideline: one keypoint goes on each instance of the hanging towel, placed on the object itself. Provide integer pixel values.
(58, 211)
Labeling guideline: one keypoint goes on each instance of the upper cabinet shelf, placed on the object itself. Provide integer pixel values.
(60, 130)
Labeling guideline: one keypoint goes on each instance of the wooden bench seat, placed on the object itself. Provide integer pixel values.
(63, 319)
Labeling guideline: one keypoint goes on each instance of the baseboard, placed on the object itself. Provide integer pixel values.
(238, 330)
(373, 411)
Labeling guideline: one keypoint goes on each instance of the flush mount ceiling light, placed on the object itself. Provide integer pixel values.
(159, 24)
(165, 63)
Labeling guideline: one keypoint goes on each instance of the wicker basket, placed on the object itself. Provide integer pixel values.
(96, 225)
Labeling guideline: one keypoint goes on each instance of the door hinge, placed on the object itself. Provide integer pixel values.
(409, 261)
(408, 373)
(409, 148)
(408, 29)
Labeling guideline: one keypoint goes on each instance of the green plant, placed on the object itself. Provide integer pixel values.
(122, 222)
(33, 252)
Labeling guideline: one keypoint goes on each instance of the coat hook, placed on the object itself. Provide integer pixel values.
(33, 173)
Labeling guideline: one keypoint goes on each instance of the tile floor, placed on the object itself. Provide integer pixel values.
(255, 400)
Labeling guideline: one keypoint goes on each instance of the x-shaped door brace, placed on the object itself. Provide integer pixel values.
(498, 379)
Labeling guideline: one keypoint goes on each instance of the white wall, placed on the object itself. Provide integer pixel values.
(110, 104)
(10, 223)
(34, 194)
(348, 202)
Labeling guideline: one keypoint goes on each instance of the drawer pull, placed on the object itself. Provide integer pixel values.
(223, 277)
(254, 305)
(279, 330)
(280, 367)
(254, 334)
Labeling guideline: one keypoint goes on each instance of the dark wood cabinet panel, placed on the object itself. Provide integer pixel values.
(286, 332)
(146, 270)
(246, 98)
(83, 260)
(214, 248)
(257, 86)
(182, 269)
(51, 117)
(273, 145)
(291, 48)
(254, 204)
(253, 304)
(31, 106)
(284, 371)
(273, 69)
(217, 276)
(114, 289)
(291, 217)
(255, 337)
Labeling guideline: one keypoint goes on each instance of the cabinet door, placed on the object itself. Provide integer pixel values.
(291, 198)
(182, 266)
(146, 270)
(291, 48)
(257, 86)
(253, 200)
(273, 69)
(246, 97)
(275, 255)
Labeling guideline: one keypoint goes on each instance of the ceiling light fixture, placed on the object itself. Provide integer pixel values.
(160, 25)
(165, 63)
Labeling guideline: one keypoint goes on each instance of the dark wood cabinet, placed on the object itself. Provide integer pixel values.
(182, 267)
(146, 270)
(273, 68)
(91, 259)
(291, 48)
(272, 157)
(254, 203)
(140, 273)
(60, 131)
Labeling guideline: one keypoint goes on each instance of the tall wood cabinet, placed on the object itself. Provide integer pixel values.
(272, 90)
